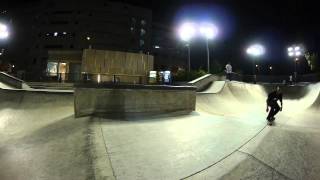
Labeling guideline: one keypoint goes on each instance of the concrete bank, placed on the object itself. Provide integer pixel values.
(41, 139)
(12, 81)
(135, 99)
(205, 81)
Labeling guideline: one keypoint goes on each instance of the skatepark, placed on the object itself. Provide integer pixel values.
(226, 137)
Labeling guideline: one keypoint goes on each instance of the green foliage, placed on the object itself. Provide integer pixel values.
(216, 68)
(313, 61)
(189, 76)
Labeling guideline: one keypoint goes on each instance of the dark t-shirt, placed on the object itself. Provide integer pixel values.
(274, 97)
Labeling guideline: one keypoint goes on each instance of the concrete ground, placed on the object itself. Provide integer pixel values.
(225, 138)
(40, 139)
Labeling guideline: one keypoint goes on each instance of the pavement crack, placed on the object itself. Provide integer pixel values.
(211, 165)
(106, 149)
(265, 164)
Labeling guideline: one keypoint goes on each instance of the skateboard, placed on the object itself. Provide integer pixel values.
(270, 123)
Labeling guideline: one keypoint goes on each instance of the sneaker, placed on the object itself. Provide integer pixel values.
(269, 123)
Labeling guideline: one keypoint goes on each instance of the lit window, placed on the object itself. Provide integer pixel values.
(48, 34)
(132, 28)
(88, 38)
(142, 32)
(52, 68)
(64, 33)
(143, 22)
(141, 42)
(55, 34)
(157, 47)
(133, 20)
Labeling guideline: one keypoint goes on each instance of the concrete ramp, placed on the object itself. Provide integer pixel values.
(225, 138)
(5, 86)
(288, 150)
(40, 138)
(214, 88)
(236, 97)
(10, 82)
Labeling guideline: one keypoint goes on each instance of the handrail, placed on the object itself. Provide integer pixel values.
(12, 77)
(12, 81)
(199, 79)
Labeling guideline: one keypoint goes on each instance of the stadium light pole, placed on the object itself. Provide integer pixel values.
(186, 32)
(4, 32)
(295, 52)
(210, 32)
(255, 51)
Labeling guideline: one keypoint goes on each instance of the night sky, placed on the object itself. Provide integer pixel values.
(276, 24)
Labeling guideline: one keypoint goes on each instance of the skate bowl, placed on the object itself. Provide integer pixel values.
(296, 98)
(226, 137)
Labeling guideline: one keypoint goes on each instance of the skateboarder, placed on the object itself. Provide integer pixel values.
(272, 102)
(228, 71)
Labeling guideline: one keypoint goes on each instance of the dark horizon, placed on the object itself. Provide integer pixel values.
(274, 24)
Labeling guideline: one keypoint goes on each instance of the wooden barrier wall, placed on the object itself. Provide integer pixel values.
(116, 62)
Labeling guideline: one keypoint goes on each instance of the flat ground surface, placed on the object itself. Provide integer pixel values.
(225, 138)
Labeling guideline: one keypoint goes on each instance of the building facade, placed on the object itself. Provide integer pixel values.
(169, 53)
(116, 66)
(54, 31)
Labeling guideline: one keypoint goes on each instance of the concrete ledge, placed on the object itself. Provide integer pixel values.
(125, 100)
(13, 81)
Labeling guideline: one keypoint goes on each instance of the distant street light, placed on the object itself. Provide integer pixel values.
(255, 51)
(186, 32)
(209, 31)
(4, 32)
(295, 52)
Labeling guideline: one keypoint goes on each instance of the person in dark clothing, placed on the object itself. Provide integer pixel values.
(272, 102)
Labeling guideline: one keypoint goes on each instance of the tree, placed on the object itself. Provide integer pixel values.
(216, 67)
(313, 61)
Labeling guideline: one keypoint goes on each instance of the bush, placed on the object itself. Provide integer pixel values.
(189, 76)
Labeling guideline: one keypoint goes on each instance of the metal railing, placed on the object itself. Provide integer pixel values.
(275, 79)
